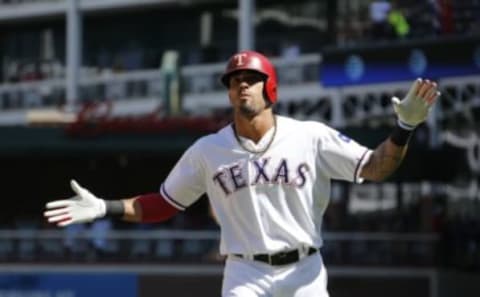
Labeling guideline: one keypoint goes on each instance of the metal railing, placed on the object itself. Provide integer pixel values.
(131, 246)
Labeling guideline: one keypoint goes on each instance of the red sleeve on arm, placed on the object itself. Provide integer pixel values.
(155, 208)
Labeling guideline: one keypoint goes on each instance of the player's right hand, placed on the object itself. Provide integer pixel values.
(81, 208)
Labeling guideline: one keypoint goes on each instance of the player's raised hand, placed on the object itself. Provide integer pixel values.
(81, 208)
(413, 109)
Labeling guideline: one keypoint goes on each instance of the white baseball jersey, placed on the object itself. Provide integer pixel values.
(271, 201)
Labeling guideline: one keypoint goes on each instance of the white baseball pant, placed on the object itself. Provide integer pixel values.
(249, 278)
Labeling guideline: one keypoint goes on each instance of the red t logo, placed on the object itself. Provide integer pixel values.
(240, 58)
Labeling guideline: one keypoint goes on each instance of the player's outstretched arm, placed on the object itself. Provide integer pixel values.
(411, 111)
(86, 207)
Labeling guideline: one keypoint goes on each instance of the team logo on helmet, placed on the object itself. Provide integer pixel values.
(240, 58)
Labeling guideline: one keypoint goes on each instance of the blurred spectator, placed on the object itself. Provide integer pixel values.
(434, 11)
(27, 246)
(195, 219)
(12, 71)
(74, 242)
(379, 18)
(104, 59)
(141, 249)
(133, 56)
(100, 242)
(290, 50)
(446, 16)
(30, 71)
(290, 73)
(398, 22)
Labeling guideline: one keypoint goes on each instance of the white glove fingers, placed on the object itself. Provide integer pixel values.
(430, 94)
(395, 103)
(424, 88)
(58, 218)
(65, 223)
(414, 88)
(59, 204)
(76, 187)
(56, 212)
(395, 100)
(433, 98)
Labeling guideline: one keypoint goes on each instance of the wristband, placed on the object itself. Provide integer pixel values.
(400, 136)
(114, 208)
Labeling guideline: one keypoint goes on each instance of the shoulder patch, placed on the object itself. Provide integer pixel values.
(344, 137)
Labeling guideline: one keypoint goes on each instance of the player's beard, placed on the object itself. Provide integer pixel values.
(250, 109)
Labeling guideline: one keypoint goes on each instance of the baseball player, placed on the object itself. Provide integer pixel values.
(268, 181)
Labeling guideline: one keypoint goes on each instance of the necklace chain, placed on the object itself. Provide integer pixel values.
(260, 151)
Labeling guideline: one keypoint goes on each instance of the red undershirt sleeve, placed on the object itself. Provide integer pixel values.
(155, 208)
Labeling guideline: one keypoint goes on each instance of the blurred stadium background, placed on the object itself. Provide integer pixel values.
(110, 92)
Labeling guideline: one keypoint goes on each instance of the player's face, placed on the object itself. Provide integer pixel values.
(246, 92)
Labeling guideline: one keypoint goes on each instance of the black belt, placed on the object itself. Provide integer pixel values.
(280, 258)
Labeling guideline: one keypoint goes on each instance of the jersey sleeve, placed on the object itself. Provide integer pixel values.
(340, 156)
(185, 182)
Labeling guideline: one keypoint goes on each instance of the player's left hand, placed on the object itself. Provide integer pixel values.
(413, 109)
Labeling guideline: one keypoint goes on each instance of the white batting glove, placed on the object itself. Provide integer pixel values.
(81, 208)
(414, 108)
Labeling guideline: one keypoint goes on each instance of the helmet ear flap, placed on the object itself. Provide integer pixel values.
(271, 90)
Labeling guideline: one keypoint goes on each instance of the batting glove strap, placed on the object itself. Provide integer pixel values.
(405, 126)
